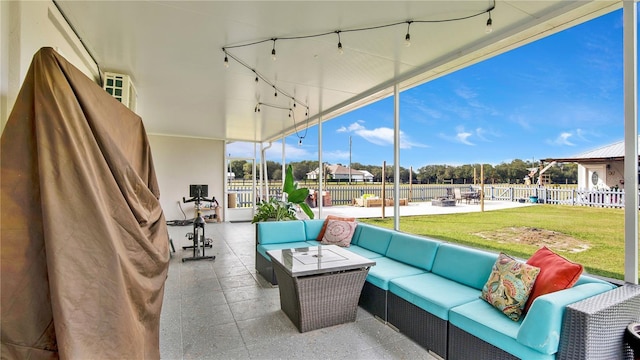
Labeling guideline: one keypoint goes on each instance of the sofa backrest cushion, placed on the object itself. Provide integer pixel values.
(374, 238)
(356, 234)
(587, 279)
(277, 232)
(413, 250)
(464, 265)
(312, 228)
(542, 325)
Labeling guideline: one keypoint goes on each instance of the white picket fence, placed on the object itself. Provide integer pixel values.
(577, 197)
(343, 195)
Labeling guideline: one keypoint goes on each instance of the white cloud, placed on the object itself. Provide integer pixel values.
(462, 136)
(334, 156)
(465, 92)
(382, 136)
(562, 140)
(522, 121)
(482, 134)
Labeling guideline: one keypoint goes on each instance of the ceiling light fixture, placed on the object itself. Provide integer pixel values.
(273, 50)
(340, 48)
(407, 38)
(226, 60)
(291, 114)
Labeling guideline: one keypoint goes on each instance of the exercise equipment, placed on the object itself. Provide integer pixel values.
(198, 194)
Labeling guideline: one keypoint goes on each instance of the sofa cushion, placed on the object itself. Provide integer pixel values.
(432, 293)
(262, 249)
(339, 233)
(326, 223)
(483, 321)
(374, 238)
(509, 285)
(413, 250)
(465, 265)
(277, 232)
(312, 228)
(556, 273)
(387, 269)
(364, 252)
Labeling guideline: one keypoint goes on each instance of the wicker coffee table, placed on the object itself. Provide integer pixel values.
(319, 285)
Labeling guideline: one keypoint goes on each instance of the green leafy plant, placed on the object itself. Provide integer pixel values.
(295, 195)
(275, 210)
(278, 210)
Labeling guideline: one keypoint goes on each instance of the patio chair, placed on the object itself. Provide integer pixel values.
(450, 193)
(457, 195)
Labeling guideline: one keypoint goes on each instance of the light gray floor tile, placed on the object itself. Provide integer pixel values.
(222, 309)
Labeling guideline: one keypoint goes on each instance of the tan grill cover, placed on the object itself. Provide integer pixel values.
(84, 241)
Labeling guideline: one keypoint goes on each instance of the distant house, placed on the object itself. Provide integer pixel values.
(368, 177)
(601, 168)
(342, 173)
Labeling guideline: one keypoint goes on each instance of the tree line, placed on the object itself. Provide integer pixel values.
(503, 173)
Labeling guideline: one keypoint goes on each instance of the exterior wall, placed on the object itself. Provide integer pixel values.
(181, 161)
(609, 174)
(25, 27)
(615, 174)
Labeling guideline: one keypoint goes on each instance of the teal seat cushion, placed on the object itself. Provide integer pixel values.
(364, 252)
(312, 228)
(387, 269)
(262, 249)
(374, 238)
(276, 232)
(433, 293)
(413, 250)
(485, 322)
(467, 266)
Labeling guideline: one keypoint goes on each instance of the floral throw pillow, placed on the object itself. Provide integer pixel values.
(509, 285)
(339, 233)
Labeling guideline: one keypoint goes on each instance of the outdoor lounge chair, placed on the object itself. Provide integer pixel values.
(457, 195)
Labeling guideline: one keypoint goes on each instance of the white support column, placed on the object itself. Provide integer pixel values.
(320, 168)
(630, 141)
(284, 166)
(396, 157)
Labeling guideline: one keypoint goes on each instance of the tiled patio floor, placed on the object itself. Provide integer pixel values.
(222, 309)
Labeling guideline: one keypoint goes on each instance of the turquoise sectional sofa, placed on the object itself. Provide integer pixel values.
(430, 291)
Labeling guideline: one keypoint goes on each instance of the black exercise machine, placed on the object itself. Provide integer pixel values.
(198, 194)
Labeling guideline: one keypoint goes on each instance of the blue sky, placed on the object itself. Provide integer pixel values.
(556, 97)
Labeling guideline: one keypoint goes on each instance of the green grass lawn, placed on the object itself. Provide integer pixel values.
(601, 229)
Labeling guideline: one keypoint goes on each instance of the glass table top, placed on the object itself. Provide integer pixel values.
(318, 259)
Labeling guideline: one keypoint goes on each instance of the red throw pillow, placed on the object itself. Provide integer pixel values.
(556, 273)
(326, 222)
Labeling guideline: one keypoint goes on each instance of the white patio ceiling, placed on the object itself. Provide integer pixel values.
(173, 51)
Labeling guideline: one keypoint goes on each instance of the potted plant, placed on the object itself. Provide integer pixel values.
(279, 210)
